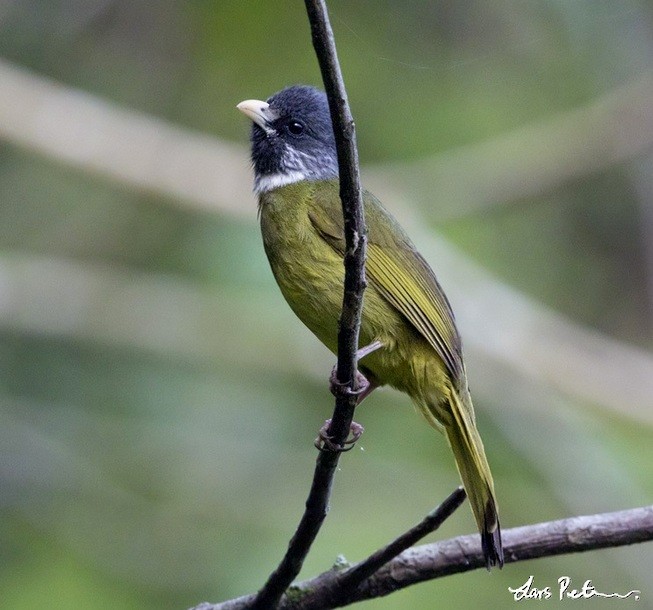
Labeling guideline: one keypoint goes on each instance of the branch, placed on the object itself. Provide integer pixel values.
(352, 305)
(463, 554)
(352, 211)
(350, 579)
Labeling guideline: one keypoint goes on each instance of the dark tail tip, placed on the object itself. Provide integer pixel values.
(491, 538)
(492, 548)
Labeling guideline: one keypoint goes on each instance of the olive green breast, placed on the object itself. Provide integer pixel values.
(310, 274)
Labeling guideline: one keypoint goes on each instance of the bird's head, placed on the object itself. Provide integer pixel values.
(292, 138)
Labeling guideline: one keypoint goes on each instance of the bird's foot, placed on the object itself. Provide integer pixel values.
(362, 385)
(342, 389)
(324, 442)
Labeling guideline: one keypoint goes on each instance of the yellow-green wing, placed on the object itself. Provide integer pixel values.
(395, 269)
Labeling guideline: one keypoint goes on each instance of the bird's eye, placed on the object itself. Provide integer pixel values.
(295, 128)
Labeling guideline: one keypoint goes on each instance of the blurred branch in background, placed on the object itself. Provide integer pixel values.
(147, 153)
(641, 173)
(152, 155)
(132, 148)
(533, 159)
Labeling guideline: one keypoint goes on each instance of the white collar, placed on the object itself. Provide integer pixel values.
(269, 182)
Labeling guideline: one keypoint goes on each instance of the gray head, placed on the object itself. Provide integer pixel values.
(292, 138)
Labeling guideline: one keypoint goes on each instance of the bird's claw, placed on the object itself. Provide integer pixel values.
(324, 442)
(339, 388)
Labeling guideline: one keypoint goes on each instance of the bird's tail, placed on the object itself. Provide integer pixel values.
(460, 428)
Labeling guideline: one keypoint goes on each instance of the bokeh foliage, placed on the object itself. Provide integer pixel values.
(161, 456)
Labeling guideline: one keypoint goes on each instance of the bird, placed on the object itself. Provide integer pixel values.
(406, 319)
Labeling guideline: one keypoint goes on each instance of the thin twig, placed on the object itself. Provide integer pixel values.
(350, 579)
(354, 286)
(463, 554)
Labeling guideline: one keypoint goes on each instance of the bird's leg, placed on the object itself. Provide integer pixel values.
(368, 349)
(364, 388)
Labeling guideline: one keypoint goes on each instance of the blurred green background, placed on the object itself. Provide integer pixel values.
(158, 400)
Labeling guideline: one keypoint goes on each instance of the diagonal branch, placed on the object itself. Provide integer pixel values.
(354, 286)
(350, 579)
(463, 554)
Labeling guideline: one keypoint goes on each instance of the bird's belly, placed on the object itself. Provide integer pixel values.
(310, 275)
(311, 281)
(314, 289)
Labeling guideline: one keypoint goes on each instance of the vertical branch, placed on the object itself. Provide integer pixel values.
(354, 260)
(352, 210)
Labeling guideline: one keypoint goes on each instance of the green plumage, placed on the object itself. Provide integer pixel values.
(404, 308)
